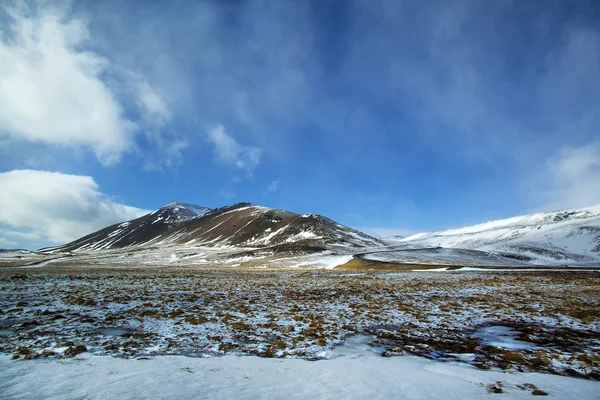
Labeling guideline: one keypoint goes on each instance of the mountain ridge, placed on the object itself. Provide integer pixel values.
(135, 231)
(241, 224)
(556, 236)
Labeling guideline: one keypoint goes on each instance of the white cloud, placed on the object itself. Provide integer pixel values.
(152, 102)
(54, 91)
(169, 154)
(229, 151)
(573, 177)
(227, 194)
(57, 207)
(50, 91)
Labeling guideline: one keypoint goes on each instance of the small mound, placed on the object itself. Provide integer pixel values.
(357, 264)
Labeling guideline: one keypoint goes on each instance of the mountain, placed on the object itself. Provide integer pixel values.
(552, 237)
(239, 225)
(246, 225)
(135, 232)
(183, 211)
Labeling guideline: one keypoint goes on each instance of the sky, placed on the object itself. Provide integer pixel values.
(390, 116)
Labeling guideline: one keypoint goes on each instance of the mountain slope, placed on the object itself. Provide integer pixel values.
(553, 237)
(137, 231)
(239, 225)
(246, 225)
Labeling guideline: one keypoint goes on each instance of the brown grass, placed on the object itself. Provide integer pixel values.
(357, 264)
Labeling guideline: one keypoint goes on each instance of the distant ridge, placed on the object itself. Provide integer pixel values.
(569, 236)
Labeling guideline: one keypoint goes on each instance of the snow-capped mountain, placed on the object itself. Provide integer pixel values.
(247, 225)
(183, 211)
(137, 231)
(239, 225)
(553, 237)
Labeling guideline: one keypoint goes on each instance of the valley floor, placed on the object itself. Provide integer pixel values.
(518, 322)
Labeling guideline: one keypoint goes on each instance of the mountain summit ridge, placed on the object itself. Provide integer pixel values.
(184, 210)
(240, 224)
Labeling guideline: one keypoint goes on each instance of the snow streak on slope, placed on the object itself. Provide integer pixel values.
(239, 225)
(246, 225)
(137, 231)
(571, 236)
(442, 256)
(184, 211)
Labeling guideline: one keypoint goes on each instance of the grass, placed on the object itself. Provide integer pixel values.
(357, 264)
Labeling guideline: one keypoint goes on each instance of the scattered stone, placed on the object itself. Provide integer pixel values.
(495, 387)
(48, 353)
(26, 352)
(29, 323)
(527, 386)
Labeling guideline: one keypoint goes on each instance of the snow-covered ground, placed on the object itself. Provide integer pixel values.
(138, 313)
(353, 372)
(300, 313)
(559, 237)
(183, 256)
(442, 256)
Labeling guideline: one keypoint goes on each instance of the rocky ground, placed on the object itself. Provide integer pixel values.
(543, 321)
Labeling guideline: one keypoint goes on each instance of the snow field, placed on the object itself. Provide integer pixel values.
(351, 374)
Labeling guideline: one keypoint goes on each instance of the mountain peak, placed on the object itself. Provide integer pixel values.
(184, 210)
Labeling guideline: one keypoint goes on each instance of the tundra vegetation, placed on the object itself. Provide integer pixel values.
(144, 312)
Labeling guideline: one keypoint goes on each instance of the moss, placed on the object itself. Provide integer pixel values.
(195, 319)
(241, 325)
(148, 313)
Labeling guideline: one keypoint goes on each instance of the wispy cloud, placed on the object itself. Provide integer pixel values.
(571, 178)
(229, 151)
(273, 186)
(227, 194)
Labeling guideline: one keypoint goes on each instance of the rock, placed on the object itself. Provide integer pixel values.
(72, 351)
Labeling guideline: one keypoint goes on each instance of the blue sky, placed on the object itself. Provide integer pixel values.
(388, 116)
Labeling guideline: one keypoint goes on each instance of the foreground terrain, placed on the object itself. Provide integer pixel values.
(353, 373)
(520, 321)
